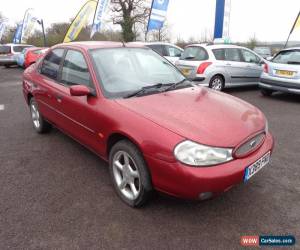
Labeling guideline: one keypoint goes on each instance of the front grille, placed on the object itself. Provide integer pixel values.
(250, 145)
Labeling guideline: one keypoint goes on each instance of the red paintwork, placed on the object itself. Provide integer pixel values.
(31, 57)
(156, 124)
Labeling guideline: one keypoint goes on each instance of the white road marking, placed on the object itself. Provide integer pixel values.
(1, 107)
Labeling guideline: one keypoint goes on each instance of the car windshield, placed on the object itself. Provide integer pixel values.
(194, 53)
(5, 50)
(122, 71)
(288, 57)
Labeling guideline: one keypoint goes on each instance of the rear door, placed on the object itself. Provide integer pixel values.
(253, 64)
(46, 79)
(235, 66)
(5, 52)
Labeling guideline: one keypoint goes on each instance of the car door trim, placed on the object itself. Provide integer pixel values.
(69, 118)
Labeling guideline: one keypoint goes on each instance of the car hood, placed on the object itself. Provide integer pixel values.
(200, 114)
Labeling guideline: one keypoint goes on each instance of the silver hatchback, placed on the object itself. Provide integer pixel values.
(282, 73)
(220, 66)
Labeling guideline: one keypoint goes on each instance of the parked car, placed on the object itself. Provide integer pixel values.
(21, 57)
(135, 110)
(282, 73)
(264, 52)
(9, 53)
(219, 65)
(170, 51)
(32, 55)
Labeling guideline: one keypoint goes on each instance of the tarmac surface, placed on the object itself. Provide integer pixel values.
(55, 194)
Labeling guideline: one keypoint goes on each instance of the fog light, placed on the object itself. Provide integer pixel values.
(205, 196)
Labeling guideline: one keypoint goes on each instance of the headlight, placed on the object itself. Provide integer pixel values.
(195, 154)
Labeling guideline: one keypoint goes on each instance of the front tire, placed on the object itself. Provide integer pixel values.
(129, 173)
(266, 92)
(217, 83)
(39, 123)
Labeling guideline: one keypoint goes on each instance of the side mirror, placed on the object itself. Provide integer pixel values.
(80, 90)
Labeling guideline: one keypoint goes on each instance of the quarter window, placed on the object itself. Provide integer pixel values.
(51, 63)
(219, 54)
(173, 52)
(158, 49)
(75, 70)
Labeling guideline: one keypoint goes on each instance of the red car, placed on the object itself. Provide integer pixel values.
(32, 55)
(137, 111)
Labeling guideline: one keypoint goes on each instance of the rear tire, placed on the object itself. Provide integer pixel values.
(7, 66)
(39, 123)
(129, 173)
(266, 92)
(217, 83)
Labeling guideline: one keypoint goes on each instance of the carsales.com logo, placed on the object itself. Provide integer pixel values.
(256, 240)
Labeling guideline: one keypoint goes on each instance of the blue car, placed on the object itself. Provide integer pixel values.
(20, 58)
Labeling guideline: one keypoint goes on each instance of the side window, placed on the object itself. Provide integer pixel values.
(219, 54)
(173, 52)
(51, 63)
(158, 48)
(233, 55)
(249, 57)
(75, 70)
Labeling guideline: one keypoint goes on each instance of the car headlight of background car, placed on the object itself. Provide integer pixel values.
(195, 154)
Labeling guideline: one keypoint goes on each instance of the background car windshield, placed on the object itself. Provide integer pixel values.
(123, 71)
(288, 57)
(194, 54)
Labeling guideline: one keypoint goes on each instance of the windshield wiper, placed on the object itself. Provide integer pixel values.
(144, 90)
(292, 62)
(175, 85)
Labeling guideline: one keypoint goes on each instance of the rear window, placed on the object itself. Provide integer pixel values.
(194, 54)
(287, 57)
(5, 50)
(20, 48)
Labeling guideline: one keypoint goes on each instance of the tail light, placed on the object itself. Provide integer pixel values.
(266, 68)
(202, 67)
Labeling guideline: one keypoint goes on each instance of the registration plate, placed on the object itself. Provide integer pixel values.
(256, 166)
(186, 71)
(285, 73)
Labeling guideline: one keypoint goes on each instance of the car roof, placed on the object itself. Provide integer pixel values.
(155, 43)
(97, 45)
(214, 46)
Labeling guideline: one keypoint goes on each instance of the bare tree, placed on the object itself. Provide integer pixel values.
(128, 14)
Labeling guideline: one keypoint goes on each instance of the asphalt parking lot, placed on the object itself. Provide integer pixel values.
(55, 194)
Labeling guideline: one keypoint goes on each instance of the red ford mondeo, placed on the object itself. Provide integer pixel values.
(156, 129)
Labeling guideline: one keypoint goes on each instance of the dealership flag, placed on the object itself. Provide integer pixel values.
(17, 36)
(158, 14)
(80, 20)
(28, 25)
(99, 16)
(222, 19)
(2, 28)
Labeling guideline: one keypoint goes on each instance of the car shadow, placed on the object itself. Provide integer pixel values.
(285, 97)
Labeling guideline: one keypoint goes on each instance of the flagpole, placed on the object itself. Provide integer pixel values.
(149, 20)
(94, 18)
(286, 43)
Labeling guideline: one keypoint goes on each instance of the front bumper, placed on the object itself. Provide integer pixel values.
(187, 182)
(282, 86)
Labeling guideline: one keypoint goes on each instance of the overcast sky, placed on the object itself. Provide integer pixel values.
(269, 20)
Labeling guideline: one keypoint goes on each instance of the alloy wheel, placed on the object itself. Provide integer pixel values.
(35, 115)
(126, 175)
